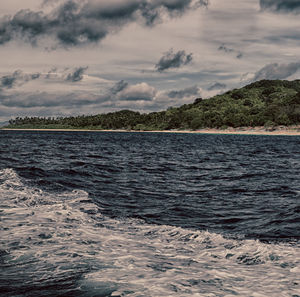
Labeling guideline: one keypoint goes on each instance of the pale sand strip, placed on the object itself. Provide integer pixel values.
(243, 131)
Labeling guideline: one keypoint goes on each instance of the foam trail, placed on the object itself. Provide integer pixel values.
(62, 243)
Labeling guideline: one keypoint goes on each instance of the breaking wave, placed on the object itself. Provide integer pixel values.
(62, 245)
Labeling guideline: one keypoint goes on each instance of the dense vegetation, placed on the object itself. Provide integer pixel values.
(262, 103)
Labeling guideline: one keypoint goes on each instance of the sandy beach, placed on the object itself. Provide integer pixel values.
(282, 130)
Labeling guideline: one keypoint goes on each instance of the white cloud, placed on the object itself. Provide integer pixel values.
(138, 92)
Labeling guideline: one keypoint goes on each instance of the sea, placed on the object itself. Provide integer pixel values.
(94, 214)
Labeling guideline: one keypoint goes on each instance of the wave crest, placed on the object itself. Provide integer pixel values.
(62, 241)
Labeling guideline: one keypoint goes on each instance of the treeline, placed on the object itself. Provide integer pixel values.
(263, 103)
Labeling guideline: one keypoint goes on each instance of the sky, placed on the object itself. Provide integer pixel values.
(74, 57)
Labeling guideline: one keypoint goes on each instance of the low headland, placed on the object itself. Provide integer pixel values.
(264, 107)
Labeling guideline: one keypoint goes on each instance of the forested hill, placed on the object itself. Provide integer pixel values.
(262, 103)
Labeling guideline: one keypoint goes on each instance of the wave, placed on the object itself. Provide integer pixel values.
(61, 244)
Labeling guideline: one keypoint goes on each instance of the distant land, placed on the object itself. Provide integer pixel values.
(265, 103)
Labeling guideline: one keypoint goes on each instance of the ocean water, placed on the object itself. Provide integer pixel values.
(149, 214)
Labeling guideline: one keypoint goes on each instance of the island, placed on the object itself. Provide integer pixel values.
(269, 105)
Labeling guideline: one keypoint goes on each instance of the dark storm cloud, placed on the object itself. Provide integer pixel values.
(76, 22)
(277, 71)
(217, 86)
(292, 6)
(173, 60)
(191, 91)
(77, 74)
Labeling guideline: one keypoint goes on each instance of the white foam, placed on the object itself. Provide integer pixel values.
(64, 233)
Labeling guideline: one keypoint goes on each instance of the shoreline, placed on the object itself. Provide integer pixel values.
(283, 131)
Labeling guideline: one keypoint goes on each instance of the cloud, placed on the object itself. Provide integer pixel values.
(35, 76)
(187, 92)
(45, 99)
(51, 72)
(286, 6)
(16, 78)
(137, 92)
(77, 74)
(226, 49)
(140, 96)
(8, 81)
(124, 92)
(118, 87)
(173, 60)
(120, 92)
(78, 22)
(239, 55)
(49, 2)
(276, 71)
(217, 86)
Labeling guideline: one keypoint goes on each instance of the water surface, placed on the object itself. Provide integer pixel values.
(149, 214)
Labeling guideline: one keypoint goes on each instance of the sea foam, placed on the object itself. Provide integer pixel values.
(61, 243)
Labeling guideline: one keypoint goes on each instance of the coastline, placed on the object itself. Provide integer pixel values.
(284, 131)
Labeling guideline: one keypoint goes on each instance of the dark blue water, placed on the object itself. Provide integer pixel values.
(148, 214)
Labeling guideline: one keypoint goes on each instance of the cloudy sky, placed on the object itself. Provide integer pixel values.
(70, 57)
